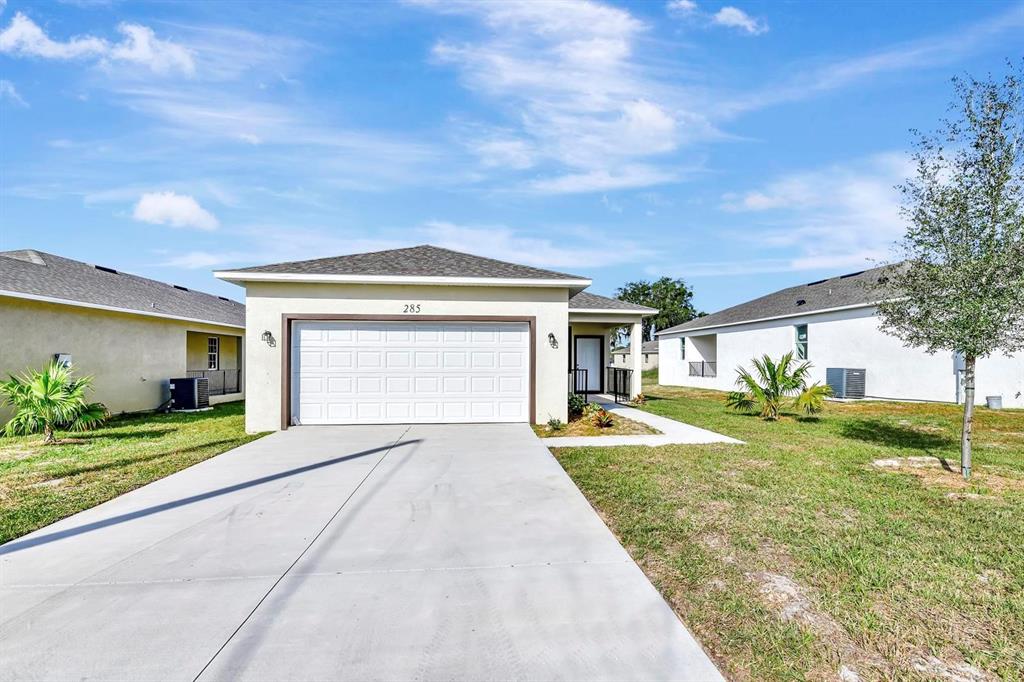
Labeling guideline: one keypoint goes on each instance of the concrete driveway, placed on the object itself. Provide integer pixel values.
(385, 552)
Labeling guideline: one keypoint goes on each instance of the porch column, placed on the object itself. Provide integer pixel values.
(636, 358)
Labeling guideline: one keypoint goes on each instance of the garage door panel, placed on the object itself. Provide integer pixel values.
(458, 384)
(339, 412)
(455, 359)
(400, 359)
(347, 372)
(510, 385)
(453, 410)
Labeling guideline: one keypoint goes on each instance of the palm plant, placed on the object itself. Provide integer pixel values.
(777, 384)
(48, 400)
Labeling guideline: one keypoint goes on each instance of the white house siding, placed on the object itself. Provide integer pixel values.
(266, 302)
(848, 338)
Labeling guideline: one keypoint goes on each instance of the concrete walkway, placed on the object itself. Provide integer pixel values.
(343, 553)
(672, 432)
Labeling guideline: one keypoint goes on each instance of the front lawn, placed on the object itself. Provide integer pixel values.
(819, 549)
(42, 484)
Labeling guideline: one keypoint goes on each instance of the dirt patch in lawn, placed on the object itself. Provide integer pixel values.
(940, 473)
(792, 603)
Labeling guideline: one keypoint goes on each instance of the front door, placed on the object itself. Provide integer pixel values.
(589, 356)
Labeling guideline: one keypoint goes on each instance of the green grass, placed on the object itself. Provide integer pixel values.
(894, 565)
(42, 484)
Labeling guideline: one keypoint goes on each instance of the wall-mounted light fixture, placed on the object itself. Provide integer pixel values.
(268, 338)
(552, 340)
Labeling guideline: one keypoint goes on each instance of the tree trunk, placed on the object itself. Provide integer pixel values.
(48, 438)
(965, 435)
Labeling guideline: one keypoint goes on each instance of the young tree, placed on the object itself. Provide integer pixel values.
(672, 297)
(961, 286)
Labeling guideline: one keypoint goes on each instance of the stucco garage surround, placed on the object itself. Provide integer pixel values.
(274, 307)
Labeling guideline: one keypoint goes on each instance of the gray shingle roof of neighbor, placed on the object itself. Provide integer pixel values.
(415, 261)
(588, 301)
(842, 291)
(649, 347)
(36, 273)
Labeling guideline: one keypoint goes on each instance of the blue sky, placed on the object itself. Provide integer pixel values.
(743, 147)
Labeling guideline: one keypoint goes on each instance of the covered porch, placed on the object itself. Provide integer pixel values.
(594, 324)
(218, 358)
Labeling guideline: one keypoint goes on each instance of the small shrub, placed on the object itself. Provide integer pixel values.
(555, 424)
(577, 403)
(639, 399)
(777, 384)
(49, 400)
(602, 419)
(591, 409)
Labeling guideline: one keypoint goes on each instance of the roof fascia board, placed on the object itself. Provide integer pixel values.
(114, 309)
(234, 276)
(613, 311)
(670, 333)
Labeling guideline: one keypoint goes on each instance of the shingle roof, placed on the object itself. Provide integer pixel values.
(649, 347)
(37, 273)
(416, 261)
(588, 301)
(835, 292)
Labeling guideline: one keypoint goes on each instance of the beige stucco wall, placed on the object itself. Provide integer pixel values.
(267, 301)
(588, 326)
(196, 347)
(130, 356)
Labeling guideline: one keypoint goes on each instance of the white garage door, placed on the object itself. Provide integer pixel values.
(403, 372)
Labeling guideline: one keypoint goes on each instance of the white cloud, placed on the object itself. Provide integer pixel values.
(576, 248)
(9, 92)
(196, 260)
(733, 17)
(505, 152)
(941, 50)
(681, 6)
(585, 250)
(176, 210)
(25, 38)
(841, 216)
(623, 177)
(580, 103)
(141, 46)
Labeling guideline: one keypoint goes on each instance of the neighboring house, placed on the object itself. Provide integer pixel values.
(132, 334)
(622, 358)
(833, 324)
(421, 335)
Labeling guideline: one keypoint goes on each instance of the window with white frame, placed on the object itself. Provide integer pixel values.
(213, 353)
(801, 342)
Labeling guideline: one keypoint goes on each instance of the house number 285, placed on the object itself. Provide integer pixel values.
(411, 308)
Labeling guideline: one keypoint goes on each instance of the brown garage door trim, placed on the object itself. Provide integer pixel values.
(286, 354)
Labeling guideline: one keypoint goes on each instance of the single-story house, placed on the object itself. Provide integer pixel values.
(622, 358)
(423, 335)
(832, 323)
(130, 333)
